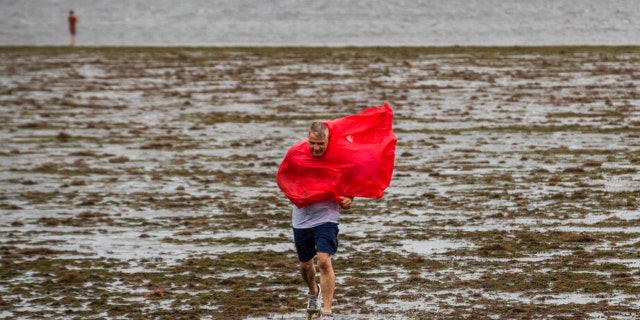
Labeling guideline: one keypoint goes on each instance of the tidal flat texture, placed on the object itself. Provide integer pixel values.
(139, 183)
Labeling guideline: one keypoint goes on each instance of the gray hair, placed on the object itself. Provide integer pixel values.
(319, 129)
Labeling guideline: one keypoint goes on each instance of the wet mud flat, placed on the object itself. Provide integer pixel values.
(138, 183)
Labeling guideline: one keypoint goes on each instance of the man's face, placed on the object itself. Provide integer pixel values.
(317, 145)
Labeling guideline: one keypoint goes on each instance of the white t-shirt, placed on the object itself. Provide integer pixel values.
(315, 214)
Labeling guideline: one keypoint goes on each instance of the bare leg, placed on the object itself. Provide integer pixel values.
(308, 272)
(327, 280)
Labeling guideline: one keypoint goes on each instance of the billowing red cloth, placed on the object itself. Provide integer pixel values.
(358, 161)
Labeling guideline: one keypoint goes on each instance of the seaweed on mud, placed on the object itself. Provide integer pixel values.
(147, 190)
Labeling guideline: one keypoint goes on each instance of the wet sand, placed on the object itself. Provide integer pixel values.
(139, 183)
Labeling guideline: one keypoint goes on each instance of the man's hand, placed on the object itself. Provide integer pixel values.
(346, 202)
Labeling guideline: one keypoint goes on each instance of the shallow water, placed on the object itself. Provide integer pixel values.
(325, 23)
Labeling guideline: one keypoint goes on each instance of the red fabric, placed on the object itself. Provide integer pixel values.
(358, 161)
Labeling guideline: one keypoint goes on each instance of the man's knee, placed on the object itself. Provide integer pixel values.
(306, 265)
(324, 262)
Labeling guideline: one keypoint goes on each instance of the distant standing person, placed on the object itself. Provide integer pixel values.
(73, 20)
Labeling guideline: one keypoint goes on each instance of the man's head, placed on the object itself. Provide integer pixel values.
(318, 139)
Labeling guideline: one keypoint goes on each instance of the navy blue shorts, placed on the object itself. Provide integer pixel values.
(323, 238)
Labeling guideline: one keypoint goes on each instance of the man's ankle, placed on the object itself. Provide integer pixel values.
(317, 291)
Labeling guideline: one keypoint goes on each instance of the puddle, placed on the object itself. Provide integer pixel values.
(432, 246)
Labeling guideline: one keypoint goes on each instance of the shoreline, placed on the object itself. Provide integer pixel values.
(552, 49)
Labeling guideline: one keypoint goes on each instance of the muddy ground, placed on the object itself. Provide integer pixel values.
(138, 183)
